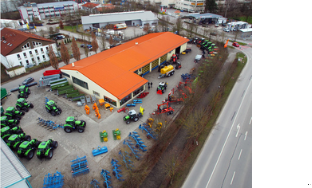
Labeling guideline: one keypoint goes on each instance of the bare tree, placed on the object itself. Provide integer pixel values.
(179, 25)
(51, 30)
(86, 49)
(64, 53)
(103, 39)
(53, 59)
(75, 50)
(172, 164)
(61, 25)
(94, 43)
(146, 28)
(190, 29)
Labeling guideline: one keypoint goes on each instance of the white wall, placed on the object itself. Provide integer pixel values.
(91, 85)
(21, 184)
(13, 57)
(16, 72)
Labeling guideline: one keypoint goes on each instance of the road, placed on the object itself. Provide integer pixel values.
(226, 157)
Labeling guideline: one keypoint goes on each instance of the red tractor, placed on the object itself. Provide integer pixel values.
(168, 110)
(174, 59)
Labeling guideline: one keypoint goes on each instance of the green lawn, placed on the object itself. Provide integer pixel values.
(71, 28)
(243, 18)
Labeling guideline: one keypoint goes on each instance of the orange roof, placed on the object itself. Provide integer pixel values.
(13, 38)
(113, 69)
(90, 5)
(106, 6)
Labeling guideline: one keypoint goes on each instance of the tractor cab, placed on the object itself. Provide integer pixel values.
(21, 102)
(132, 113)
(4, 121)
(6, 132)
(45, 149)
(12, 113)
(71, 121)
(51, 104)
(16, 139)
(22, 88)
(72, 124)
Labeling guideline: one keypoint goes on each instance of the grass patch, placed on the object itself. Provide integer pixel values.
(243, 18)
(181, 176)
(231, 47)
(71, 28)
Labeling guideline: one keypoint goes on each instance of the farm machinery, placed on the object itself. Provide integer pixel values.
(45, 149)
(8, 122)
(166, 71)
(72, 124)
(6, 132)
(27, 148)
(52, 108)
(24, 91)
(22, 104)
(166, 109)
(133, 115)
(12, 113)
(174, 59)
(16, 139)
(161, 88)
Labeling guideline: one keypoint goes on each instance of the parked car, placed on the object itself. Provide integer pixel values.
(235, 44)
(28, 80)
(89, 46)
(217, 25)
(226, 30)
(59, 37)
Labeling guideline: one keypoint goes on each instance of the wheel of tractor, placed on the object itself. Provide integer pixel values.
(37, 143)
(168, 113)
(30, 154)
(18, 108)
(18, 118)
(20, 155)
(17, 146)
(53, 113)
(31, 105)
(50, 154)
(84, 122)
(25, 109)
(59, 111)
(5, 139)
(54, 144)
(136, 119)
(19, 131)
(80, 129)
(27, 137)
(22, 113)
(17, 122)
(39, 157)
(171, 112)
(19, 96)
(68, 129)
(128, 121)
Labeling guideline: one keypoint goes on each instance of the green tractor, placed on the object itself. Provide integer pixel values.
(16, 139)
(6, 132)
(27, 149)
(12, 113)
(45, 149)
(24, 91)
(8, 122)
(52, 108)
(133, 116)
(22, 104)
(72, 124)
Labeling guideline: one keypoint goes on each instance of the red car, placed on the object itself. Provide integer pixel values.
(235, 44)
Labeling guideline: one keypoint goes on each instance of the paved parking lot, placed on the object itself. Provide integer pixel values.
(76, 144)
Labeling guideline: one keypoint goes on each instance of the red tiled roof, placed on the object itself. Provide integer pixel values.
(105, 6)
(90, 5)
(14, 38)
(114, 69)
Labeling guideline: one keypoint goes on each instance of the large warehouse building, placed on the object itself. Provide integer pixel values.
(116, 74)
(129, 18)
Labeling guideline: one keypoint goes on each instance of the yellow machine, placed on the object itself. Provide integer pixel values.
(166, 71)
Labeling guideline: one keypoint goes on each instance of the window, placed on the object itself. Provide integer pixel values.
(106, 99)
(18, 56)
(124, 100)
(43, 57)
(33, 60)
(21, 63)
(38, 59)
(30, 52)
(96, 93)
(27, 63)
(36, 51)
(41, 50)
(47, 48)
(25, 55)
(65, 74)
(26, 46)
(80, 83)
(137, 91)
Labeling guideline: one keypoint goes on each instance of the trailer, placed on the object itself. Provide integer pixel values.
(4, 93)
(58, 80)
(167, 71)
(45, 80)
(58, 84)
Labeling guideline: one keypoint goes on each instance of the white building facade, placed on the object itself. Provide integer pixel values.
(190, 5)
(28, 50)
(47, 10)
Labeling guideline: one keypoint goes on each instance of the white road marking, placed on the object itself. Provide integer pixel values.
(240, 154)
(214, 168)
(250, 120)
(246, 135)
(232, 177)
(238, 127)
